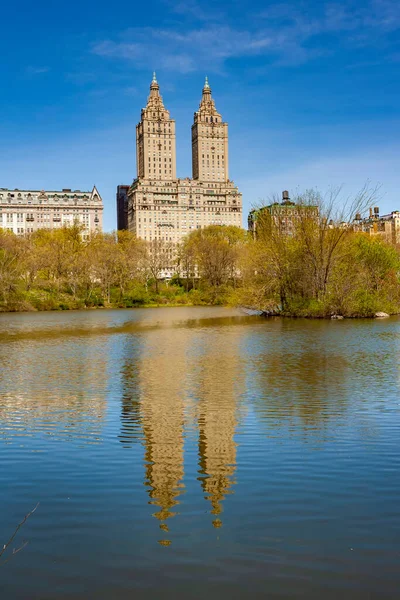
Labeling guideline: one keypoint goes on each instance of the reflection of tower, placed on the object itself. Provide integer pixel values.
(217, 451)
(219, 390)
(130, 409)
(162, 414)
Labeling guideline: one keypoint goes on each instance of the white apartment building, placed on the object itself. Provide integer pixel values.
(26, 211)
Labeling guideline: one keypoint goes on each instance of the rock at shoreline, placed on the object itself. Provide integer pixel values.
(338, 317)
(381, 315)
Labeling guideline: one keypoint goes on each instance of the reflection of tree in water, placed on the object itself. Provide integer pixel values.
(310, 385)
(57, 390)
(66, 417)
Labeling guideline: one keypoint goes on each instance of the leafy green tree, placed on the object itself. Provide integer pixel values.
(10, 264)
(216, 250)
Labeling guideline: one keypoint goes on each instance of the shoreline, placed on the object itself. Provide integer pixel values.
(246, 310)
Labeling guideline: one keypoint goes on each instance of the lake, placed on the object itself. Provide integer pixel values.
(198, 452)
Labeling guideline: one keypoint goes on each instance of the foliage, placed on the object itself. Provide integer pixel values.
(312, 265)
(59, 270)
(322, 266)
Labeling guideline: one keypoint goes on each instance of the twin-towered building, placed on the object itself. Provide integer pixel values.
(160, 206)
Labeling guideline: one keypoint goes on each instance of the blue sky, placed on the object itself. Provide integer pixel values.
(310, 90)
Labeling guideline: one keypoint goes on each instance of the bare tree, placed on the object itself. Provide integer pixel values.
(158, 255)
(301, 242)
(323, 235)
(216, 249)
(186, 261)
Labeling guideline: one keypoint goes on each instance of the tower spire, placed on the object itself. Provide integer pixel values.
(206, 89)
(154, 83)
(209, 141)
(155, 138)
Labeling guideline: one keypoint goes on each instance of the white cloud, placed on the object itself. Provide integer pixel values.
(208, 47)
(282, 33)
(194, 9)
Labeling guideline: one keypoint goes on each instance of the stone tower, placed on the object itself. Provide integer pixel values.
(162, 209)
(155, 139)
(209, 141)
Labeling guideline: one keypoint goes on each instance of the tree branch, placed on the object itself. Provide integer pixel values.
(10, 541)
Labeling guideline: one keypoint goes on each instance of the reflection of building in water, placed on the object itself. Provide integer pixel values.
(161, 381)
(303, 384)
(54, 388)
(220, 385)
(182, 377)
(131, 430)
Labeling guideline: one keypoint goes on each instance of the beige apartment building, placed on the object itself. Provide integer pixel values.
(25, 211)
(386, 226)
(160, 206)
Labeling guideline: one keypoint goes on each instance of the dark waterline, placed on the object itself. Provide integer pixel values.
(195, 452)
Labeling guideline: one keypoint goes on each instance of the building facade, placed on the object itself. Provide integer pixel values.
(283, 214)
(26, 211)
(160, 206)
(386, 226)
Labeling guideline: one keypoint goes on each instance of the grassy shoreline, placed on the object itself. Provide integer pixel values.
(119, 306)
(320, 270)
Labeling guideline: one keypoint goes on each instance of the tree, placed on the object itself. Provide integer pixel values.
(301, 248)
(324, 237)
(186, 261)
(58, 254)
(107, 258)
(10, 264)
(216, 250)
(130, 266)
(157, 255)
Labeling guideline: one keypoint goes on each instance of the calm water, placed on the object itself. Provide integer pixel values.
(197, 452)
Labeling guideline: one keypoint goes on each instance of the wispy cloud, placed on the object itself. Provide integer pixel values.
(32, 71)
(195, 10)
(184, 52)
(348, 15)
(285, 33)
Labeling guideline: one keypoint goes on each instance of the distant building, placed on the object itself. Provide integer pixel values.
(386, 226)
(122, 207)
(285, 214)
(160, 206)
(26, 211)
